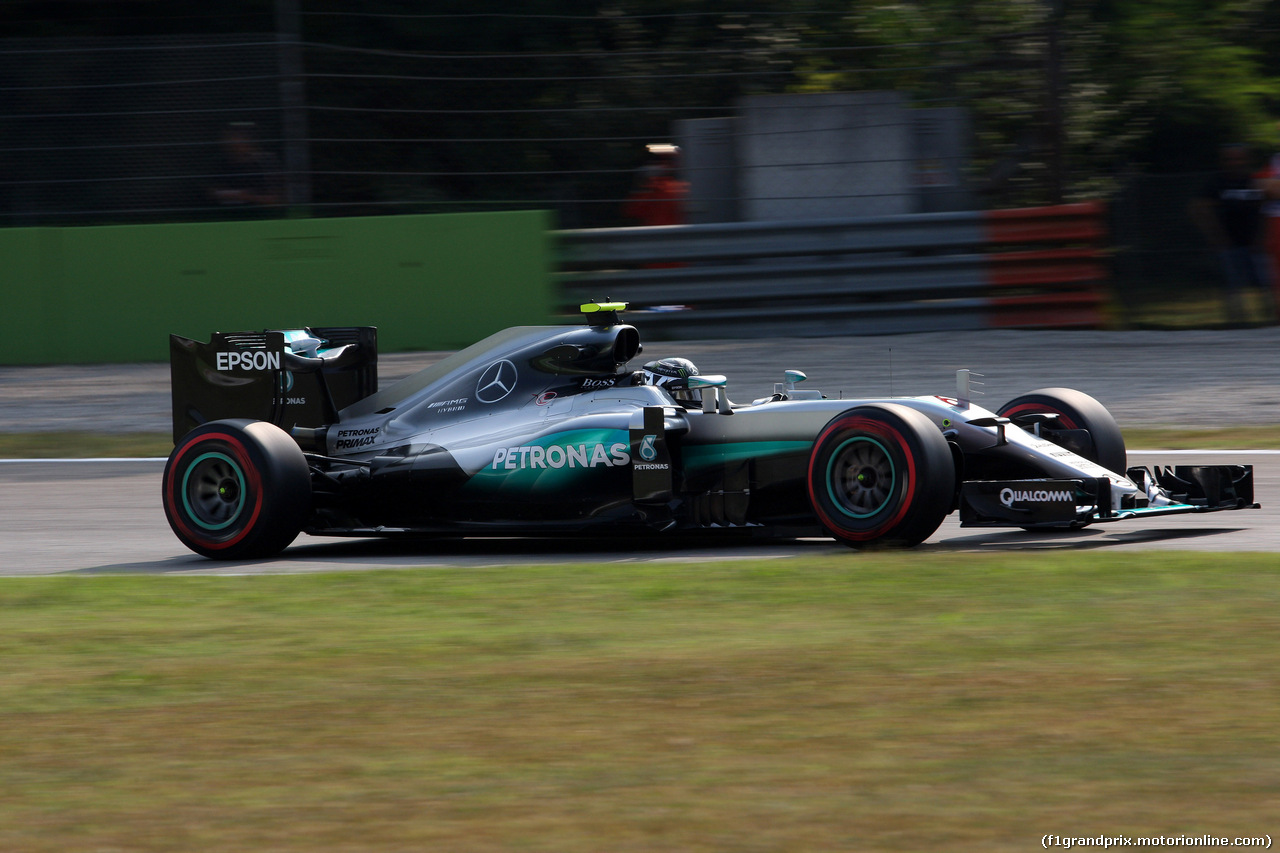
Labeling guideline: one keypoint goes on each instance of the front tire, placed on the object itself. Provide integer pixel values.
(237, 490)
(1076, 411)
(881, 475)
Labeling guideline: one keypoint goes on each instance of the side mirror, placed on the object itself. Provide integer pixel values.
(715, 396)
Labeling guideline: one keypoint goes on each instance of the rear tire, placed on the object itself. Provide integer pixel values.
(881, 475)
(237, 490)
(1076, 410)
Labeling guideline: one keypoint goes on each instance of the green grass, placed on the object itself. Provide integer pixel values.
(1182, 305)
(857, 702)
(1227, 438)
(80, 445)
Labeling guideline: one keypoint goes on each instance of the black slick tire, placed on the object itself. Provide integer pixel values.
(881, 475)
(1076, 411)
(237, 490)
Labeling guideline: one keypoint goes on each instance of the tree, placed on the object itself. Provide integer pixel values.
(481, 105)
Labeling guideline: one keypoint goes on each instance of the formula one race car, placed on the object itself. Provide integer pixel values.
(542, 430)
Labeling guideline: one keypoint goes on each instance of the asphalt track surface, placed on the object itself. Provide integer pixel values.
(106, 517)
(100, 517)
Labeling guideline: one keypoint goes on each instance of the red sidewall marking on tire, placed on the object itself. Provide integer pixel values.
(1063, 417)
(880, 430)
(251, 473)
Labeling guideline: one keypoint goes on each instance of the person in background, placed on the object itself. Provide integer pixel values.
(1271, 210)
(247, 177)
(1228, 211)
(658, 197)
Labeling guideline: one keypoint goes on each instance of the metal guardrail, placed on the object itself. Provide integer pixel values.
(1027, 268)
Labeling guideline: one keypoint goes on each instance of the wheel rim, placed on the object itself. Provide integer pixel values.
(861, 477)
(213, 491)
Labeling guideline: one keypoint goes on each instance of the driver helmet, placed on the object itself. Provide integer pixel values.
(672, 374)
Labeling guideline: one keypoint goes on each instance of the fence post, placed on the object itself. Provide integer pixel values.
(297, 162)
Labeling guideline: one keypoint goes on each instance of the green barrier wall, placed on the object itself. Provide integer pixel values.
(115, 293)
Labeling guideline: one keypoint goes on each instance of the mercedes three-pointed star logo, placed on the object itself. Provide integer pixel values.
(497, 381)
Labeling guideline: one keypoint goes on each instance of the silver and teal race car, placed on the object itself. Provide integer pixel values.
(546, 430)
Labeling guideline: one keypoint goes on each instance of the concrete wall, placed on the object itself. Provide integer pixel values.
(115, 293)
(826, 156)
(942, 145)
(709, 163)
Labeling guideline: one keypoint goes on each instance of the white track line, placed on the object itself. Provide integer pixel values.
(1207, 452)
(91, 459)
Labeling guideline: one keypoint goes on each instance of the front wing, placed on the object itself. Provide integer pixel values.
(1077, 502)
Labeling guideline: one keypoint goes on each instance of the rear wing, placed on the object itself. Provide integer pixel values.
(298, 377)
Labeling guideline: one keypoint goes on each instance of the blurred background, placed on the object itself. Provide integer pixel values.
(142, 111)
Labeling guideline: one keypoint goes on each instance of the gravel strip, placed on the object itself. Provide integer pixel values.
(1146, 378)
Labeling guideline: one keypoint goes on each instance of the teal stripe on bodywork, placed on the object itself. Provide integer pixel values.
(1167, 509)
(709, 455)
